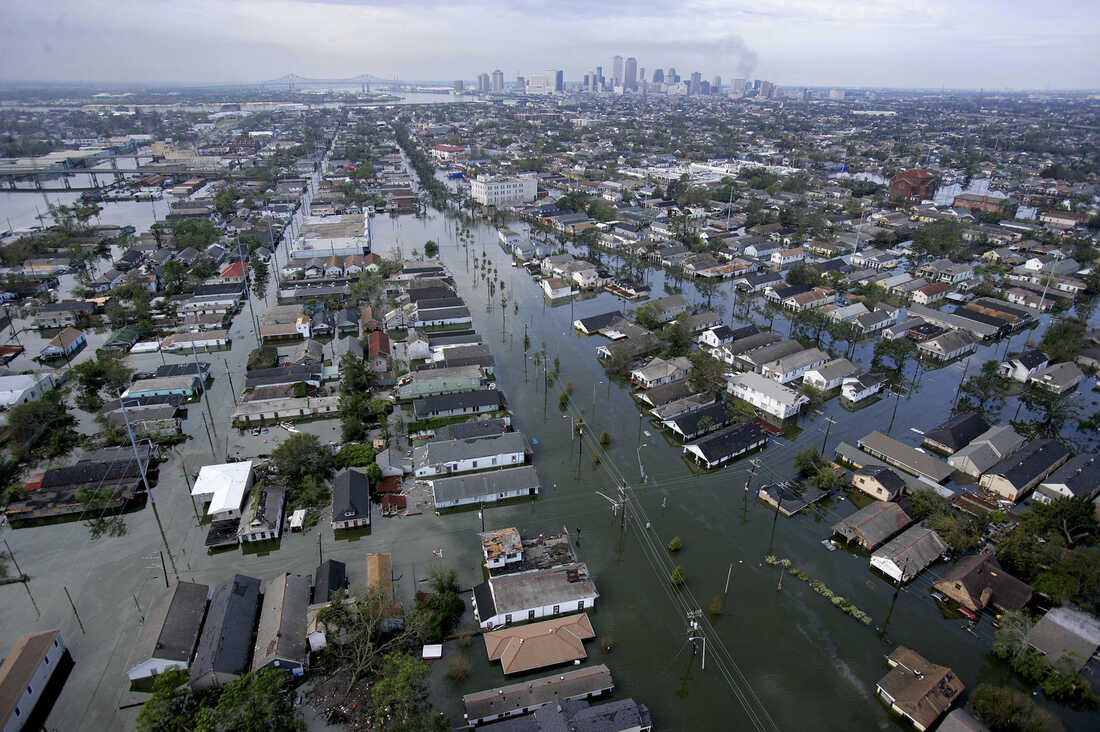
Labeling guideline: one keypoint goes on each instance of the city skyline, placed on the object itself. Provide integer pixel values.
(847, 43)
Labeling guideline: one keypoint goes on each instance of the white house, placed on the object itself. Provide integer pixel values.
(786, 257)
(23, 388)
(65, 343)
(461, 456)
(792, 367)
(225, 487)
(767, 395)
(660, 371)
(487, 487)
(1022, 367)
(25, 674)
(858, 388)
(501, 547)
(829, 375)
(537, 593)
(556, 288)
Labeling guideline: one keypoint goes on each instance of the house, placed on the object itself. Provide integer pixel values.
(986, 450)
(308, 351)
(907, 555)
(439, 381)
(956, 433)
(695, 422)
(550, 692)
(26, 673)
(223, 648)
(281, 634)
(1067, 637)
(195, 341)
(781, 258)
(857, 388)
(331, 577)
(452, 405)
(873, 524)
(829, 375)
(187, 386)
(803, 301)
(23, 388)
(64, 344)
(946, 271)
(721, 447)
(948, 346)
(930, 293)
(233, 273)
(170, 631)
(777, 400)
(1027, 298)
(723, 335)
(536, 593)
(790, 368)
(62, 314)
(539, 645)
(905, 457)
(978, 582)
(918, 690)
(1059, 378)
(754, 359)
(595, 323)
(350, 500)
(1015, 475)
(556, 288)
(878, 481)
(1022, 367)
(487, 487)
(262, 517)
(459, 456)
(501, 547)
(659, 371)
(290, 409)
(668, 308)
(1079, 477)
(225, 487)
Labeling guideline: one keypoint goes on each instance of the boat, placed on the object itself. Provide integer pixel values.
(288, 427)
(967, 612)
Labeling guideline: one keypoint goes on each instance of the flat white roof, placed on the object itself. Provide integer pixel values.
(224, 484)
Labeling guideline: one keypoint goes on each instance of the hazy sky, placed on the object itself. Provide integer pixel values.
(904, 43)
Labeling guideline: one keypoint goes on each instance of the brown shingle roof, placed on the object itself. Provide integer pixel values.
(538, 645)
(920, 690)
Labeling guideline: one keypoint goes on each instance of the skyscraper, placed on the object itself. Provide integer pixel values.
(630, 74)
(670, 75)
(658, 76)
(696, 86)
(559, 81)
(641, 75)
(599, 78)
(459, 85)
(483, 83)
(617, 70)
(498, 81)
(716, 85)
(738, 86)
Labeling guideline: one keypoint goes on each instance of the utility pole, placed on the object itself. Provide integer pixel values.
(208, 437)
(695, 633)
(895, 412)
(775, 516)
(829, 422)
(961, 382)
(729, 573)
(73, 606)
(229, 374)
(897, 589)
(202, 385)
(748, 483)
(11, 556)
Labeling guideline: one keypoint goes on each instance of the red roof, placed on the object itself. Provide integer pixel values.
(389, 484)
(915, 175)
(448, 148)
(378, 344)
(371, 258)
(236, 269)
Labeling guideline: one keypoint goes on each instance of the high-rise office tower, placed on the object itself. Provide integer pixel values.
(599, 78)
(498, 80)
(641, 75)
(459, 85)
(704, 87)
(738, 86)
(658, 76)
(559, 81)
(756, 84)
(521, 83)
(695, 87)
(670, 75)
(617, 70)
(630, 74)
(716, 85)
(483, 82)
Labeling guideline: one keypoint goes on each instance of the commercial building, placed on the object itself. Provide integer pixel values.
(26, 673)
(537, 593)
(503, 190)
(488, 487)
(539, 645)
(460, 456)
(905, 457)
(526, 696)
(225, 487)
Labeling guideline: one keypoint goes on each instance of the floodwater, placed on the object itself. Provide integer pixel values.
(788, 654)
(775, 658)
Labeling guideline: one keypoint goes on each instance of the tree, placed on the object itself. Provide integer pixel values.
(678, 336)
(605, 439)
(1007, 710)
(358, 625)
(431, 249)
(95, 501)
(674, 544)
(440, 610)
(300, 456)
(808, 461)
(716, 605)
(172, 707)
(29, 423)
(1073, 518)
(706, 372)
(260, 276)
(677, 577)
(262, 700)
(1065, 339)
(92, 377)
(398, 699)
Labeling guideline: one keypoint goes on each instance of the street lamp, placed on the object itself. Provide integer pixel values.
(641, 468)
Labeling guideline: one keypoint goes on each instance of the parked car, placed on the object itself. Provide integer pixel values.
(967, 612)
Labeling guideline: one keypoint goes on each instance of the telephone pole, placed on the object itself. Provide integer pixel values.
(829, 422)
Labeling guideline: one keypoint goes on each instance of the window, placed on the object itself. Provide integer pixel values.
(580, 604)
(557, 609)
(30, 690)
(530, 614)
(508, 618)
